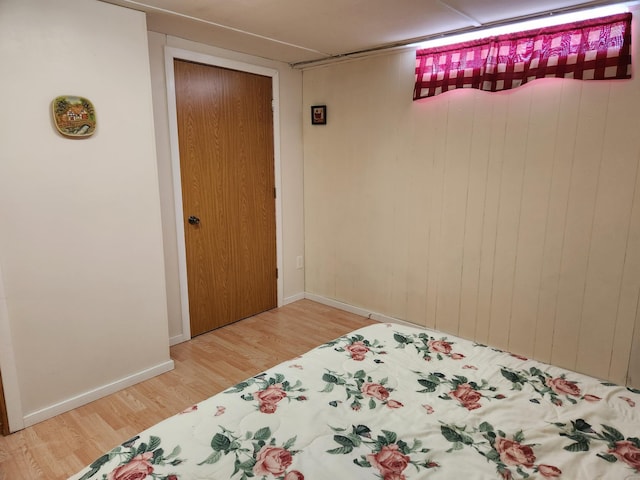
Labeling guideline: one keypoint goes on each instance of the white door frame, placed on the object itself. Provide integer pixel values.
(171, 53)
(12, 398)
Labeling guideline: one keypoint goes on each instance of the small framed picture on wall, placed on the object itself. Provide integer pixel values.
(319, 115)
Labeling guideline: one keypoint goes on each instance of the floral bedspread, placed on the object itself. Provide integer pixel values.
(394, 402)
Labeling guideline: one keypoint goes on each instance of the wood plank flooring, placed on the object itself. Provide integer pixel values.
(63, 445)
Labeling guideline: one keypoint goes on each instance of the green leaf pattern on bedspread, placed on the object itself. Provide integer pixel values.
(468, 393)
(428, 346)
(360, 388)
(546, 385)
(270, 391)
(357, 347)
(619, 447)
(393, 402)
(136, 460)
(390, 455)
(255, 453)
(511, 455)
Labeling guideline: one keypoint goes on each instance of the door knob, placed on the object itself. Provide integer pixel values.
(193, 220)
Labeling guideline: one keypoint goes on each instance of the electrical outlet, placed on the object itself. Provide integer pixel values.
(299, 262)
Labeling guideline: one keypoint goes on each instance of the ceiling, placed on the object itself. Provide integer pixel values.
(304, 32)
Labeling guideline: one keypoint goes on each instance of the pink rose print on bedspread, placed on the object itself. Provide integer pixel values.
(514, 453)
(375, 390)
(628, 452)
(466, 392)
(591, 398)
(272, 461)
(269, 397)
(440, 346)
(137, 468)
(467, 396)
(390, 456)
(630, 402)
(389, 460)
(294, 475)
(619, 448)
(358, 350)
(357, 347)
(428, 346)
(509, 454)
(549, 471)
(136, 461)
(360, 388)
(255, 454)
(270, 391)
(192, 408)
(562, 386)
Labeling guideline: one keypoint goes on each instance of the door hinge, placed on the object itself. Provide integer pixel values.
(275, 192)
(277, 273)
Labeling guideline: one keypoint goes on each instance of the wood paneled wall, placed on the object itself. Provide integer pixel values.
(509, 218)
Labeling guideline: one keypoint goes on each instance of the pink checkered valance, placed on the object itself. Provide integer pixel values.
(597, 49)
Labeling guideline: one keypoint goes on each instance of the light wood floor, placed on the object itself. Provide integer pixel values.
(61, 446)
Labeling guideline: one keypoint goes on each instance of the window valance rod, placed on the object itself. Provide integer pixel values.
(595, 49)
(460, 31)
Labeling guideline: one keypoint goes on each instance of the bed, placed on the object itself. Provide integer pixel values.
(394, 402)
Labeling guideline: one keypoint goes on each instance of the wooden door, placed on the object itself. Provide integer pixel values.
(225, 130)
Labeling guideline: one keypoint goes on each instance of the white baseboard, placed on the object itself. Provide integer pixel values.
(294, 298)
(87, 397)
(182, 338)
(92, 395)
(177, 339)
(378, 317)
(339, 305)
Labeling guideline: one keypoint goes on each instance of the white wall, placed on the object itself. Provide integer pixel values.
(80, 230)
(291, 168)
(510, 218)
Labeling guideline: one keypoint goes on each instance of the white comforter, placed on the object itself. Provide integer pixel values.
(393, 402)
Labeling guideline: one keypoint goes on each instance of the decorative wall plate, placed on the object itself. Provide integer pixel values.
(74, 116)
